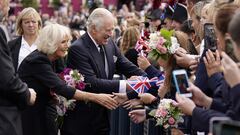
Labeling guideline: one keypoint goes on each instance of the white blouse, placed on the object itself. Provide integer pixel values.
(25, 50)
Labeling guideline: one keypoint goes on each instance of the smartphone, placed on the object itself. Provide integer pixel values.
(215, 126)
(229, 128)
(181, 82)
(210, 39)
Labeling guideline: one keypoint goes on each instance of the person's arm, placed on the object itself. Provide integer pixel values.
(11, 86)
(201, 118)
(47, 77)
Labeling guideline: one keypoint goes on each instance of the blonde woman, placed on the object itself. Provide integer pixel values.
(27, 27)
(129, 40)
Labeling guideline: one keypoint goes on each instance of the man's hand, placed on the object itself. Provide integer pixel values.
(184, 104)
(105, 100)
(32, 96)
(213, 65)
(231, 70)
(137, 116)
(198, 96)
(120, 97)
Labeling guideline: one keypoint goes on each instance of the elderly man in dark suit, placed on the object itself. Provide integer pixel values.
(14, 94)
(97, 57)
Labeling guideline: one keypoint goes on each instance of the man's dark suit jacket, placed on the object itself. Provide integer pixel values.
(36, 70)
(14, 94)
(92, 119)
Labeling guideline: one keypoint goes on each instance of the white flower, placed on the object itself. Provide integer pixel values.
(175, 45)
(71, 72)
(154, 38)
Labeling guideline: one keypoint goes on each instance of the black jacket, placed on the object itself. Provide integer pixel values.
(14, 94)
(36, 70)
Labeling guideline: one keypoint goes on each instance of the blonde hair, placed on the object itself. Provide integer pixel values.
(51, 36)
(129, 39)
(27, 13)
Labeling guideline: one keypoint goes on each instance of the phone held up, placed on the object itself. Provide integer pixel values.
(210, 39)
(181, 82)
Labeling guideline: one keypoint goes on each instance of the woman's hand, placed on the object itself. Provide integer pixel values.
(105, 100)
(132, 103)
(143, 62)
(198, 96)
(147, 98)
(213, 65)
(185, 104)
(137, 116)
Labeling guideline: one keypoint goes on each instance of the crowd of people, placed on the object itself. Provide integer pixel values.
(102, 42)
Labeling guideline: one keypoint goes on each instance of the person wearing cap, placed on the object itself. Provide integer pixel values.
(155, 21)
(167, 18)
(179, 16)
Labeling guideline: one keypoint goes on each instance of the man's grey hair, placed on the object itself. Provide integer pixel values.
(97, 18)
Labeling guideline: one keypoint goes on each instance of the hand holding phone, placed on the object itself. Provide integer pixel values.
(181, 82)
(210, 39)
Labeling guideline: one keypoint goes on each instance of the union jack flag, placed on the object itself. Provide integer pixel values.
(143, 84)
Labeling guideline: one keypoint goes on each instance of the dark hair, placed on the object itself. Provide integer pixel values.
(234, 29)
(224, 16)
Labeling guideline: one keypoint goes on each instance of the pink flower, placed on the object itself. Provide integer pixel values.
(162, 49)
(161, 112)
(80, 86)
(171, 120)
(161, 41)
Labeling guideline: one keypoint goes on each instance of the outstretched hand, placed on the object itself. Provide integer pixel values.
(137, 116)
(131, 103)
(147, 98)
(120, 97)
(106, 100)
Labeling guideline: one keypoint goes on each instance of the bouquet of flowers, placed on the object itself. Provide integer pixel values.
(166, 114)
(74, 79)
(162, 44)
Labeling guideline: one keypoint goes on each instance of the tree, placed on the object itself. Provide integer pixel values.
(30, 3)
(56, 3)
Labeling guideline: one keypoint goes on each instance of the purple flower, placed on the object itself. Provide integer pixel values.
(80, 86)
(66, 71)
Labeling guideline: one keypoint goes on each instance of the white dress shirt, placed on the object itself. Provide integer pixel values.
(122, 83)
(25, 50)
